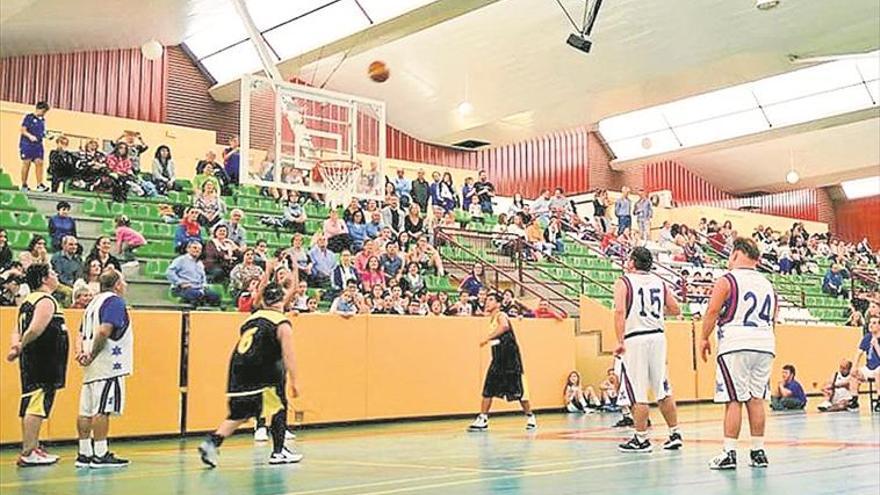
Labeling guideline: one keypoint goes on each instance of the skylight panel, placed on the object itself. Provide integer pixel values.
(644, 145)
(632, 124)
(721, 128)
(232, 62)
(806, 82)
(861, 188)
(317, 29)
(383, 10)
(709, 105)
(818, 106)
(270, 13)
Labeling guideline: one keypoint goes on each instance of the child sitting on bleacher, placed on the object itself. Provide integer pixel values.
(127, 239)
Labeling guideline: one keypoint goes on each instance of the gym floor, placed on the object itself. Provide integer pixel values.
(810, 453)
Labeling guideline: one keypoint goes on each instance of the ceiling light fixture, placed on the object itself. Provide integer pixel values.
(792, 177)
(766, 4)
(465, 107)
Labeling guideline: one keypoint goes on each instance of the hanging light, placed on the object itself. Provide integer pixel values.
(152, 50)
(766, 4)
(792, 177)
(465, 108)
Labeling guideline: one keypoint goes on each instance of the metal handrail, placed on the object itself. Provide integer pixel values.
(447, 234)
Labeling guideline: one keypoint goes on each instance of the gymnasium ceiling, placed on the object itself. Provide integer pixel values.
(510, 57)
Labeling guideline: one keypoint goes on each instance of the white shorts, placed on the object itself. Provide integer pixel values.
(742, 375)
(867, 373)
(102, 397)
(643, 368)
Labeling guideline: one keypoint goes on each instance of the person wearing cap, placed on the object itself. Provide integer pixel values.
(62, 224)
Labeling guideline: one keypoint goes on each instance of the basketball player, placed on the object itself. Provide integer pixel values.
(743, 305)
(504, 377)
(40, 341)
(640, 301)
(256, 378)
(105, 350)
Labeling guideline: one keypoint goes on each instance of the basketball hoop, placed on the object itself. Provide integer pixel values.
(340, 178)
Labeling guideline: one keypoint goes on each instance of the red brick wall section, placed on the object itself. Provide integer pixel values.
(599, 163)
(826, 209)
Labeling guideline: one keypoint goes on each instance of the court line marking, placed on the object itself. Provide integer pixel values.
(417, 466)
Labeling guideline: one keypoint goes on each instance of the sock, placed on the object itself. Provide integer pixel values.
(85, 447)
(278, 428)
(216, 439)
(261, 422)
(757, 443)
(674, 429)
(729, 444)
(641, 436)
(101, 448)
(484, 416)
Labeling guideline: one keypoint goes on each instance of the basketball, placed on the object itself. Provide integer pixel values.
(378, 71)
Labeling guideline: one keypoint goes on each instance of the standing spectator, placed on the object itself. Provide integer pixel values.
(61, 225)
(485, 191)
(600, 207)
(323, 263)
(135, 150)
(36, 253)
(68, 265)
(237, 233)
(392, 215)
(446, 192)
(101, 252)
(163, 171)
(789, 394)
(127, 239)
(474, 281)
(62, 163)
(244, 273)
(434, 189)
(5, 251)
(231, 158)
(644, 212)
(30, 145)
(420, 191)
(559, 204)
(832, 284)
(210, 206)
(623, 211)
(468, 193)
(343, 272)
(188, 230)
(188, 280)
(402, 186)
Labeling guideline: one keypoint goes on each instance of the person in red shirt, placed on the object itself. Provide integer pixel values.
(543, 311)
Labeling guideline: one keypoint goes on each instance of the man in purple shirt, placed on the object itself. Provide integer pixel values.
(30, 145)
(789, 394)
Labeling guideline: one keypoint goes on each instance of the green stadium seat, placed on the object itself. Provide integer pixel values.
(96, 207)
(8, 220)
(6, 181)
(15, 201)
(33, 221)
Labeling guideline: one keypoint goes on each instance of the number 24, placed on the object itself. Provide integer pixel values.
(763, 315)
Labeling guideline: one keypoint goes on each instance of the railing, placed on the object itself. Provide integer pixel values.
(449, 236)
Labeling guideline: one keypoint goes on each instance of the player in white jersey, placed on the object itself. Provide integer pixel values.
(640, 303)
(743, 305)
(105, 349)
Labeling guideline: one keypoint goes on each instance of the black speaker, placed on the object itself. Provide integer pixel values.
(579, 42)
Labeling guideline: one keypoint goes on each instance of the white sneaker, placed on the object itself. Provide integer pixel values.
(531, 422)
(261, 434)
(37, 457)
(289, 435)
(286, 456)
(480, 424)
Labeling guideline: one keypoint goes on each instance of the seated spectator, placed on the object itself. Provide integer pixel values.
(36, 253)
(243, 273)
(220, 255)
(62, 164)
(82, 297)
(163, 176)
(61, 225)
(135, 150)
(336, 232)
(343, 272)
(435, 306)
(664, 235)
(413, 283)
(67, 265)
(323, 263)
(210, 172)
(244, 300)
(543, 311)
(300, 299)
(360, 260)
(11, 289)
(344, 304)
(855, 319)
(124, 174)
(391, 261)
(870, 348)
(188, 230)
(374, 226)
(559, 204)
(832, 283)
(90, 277)
(836, 392)
(127, 239)
(210, 206)
(462, 306)
(474, 281)
(188, 280)
(357, 230)
(353, 207)
(92, 171)
(413, 223)
(237, 233)
(298, 257)
(426, 256)
(101, 252)
(535, 238)
(788, 394)
(553, 235)
(261, 253)
(476, 214)
(573, 395)
(373, 276)
(609, 387)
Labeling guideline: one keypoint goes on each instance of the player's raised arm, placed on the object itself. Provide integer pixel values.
(285, 336)
(720, 292)
(621, 296)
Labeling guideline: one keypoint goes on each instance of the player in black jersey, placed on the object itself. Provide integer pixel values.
(40, 344)
(260, 360)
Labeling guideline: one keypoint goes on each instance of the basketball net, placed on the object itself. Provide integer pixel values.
(340, 178)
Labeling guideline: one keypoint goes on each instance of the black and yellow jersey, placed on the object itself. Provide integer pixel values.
(43, 362)
(256, 361)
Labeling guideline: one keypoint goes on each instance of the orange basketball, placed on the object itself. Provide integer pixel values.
(378, 71)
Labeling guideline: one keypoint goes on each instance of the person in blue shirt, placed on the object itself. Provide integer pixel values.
(789, 394)
(434, 189)
(30, 145)
(623, 211)
(188, 279)
(474, 281)
(357, 230)
(403, 187)
(231, 159)
(832, 283)
(870, 348)
(61, 225)
(467, 193)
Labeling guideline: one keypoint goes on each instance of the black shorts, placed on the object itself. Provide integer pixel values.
(259, 403)
(37, 403)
